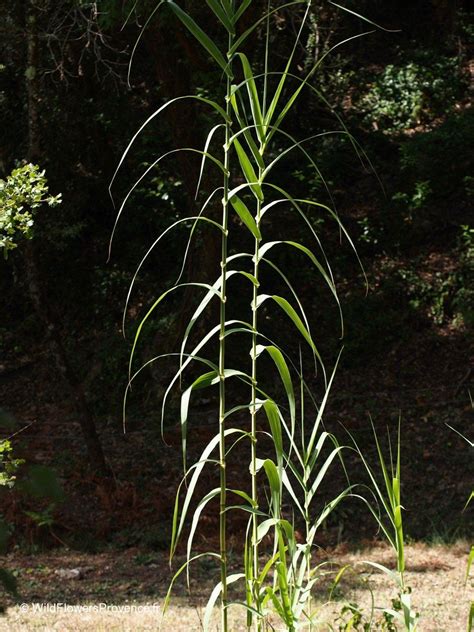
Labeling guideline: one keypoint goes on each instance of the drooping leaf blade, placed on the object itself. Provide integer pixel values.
(248, 170)
(253, 96)
(221, 15)
(204, 39)
(246, 216)
(273, 416)
(293, 316)
(282, 367)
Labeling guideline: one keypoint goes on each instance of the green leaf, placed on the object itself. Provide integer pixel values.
(192, 356)
(209, 102)
(201, 36)
(230, 579)
(248, 170)
(273, 416)
(206, 153)
(287, 483)
(214, 291)
(177, 525)
(196, 219)
(264, 527)
(282, 580)
(282, 366)
(241, 39)
(227, 6)
(304, 82)
(221, 15)
(140, 35)
(278, 91)
(245, 130)
(250, 277)
(241, 10)
(361, 17)
(266, 247)
(297, 201)
(196, 515)
(293, 316)
(468, 502)
(147, 171)
(246, 216)
(322, 473)
(203, 381)
(178, 573)
(276, 603)
(319, 417)
(253, 97)
(152, 309)
(275, 484)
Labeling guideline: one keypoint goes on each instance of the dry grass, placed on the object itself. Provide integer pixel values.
(435, 574)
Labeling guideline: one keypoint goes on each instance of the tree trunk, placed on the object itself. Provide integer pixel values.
(62, 364)
(32, 84)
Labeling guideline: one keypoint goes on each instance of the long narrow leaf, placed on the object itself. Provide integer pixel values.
(197, 470)
(273, 416)
(201, 36)
(241, 10)
(253, 97)
(249, 172)
(147, 171)
(221, 15)
(362, 17)
(293, 316)
(213, 104)
(241, 39)
(196, 218)
(215, 595)
(246, 216)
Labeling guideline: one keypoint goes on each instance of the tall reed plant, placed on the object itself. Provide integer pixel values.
(250, 111)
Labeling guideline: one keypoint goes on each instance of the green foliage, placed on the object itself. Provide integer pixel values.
(21, 194)
(352, 617)
(405, 95)
(466, 25)
(416, 200)
(463, 300)
(8, 464)
(447, 295)
(43, 518)
(441, 158)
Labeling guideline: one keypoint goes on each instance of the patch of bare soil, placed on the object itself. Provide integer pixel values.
(75, 592)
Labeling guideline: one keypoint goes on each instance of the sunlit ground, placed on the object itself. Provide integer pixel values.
(436, 575)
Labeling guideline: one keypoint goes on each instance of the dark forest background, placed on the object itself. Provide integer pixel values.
(66, 105)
